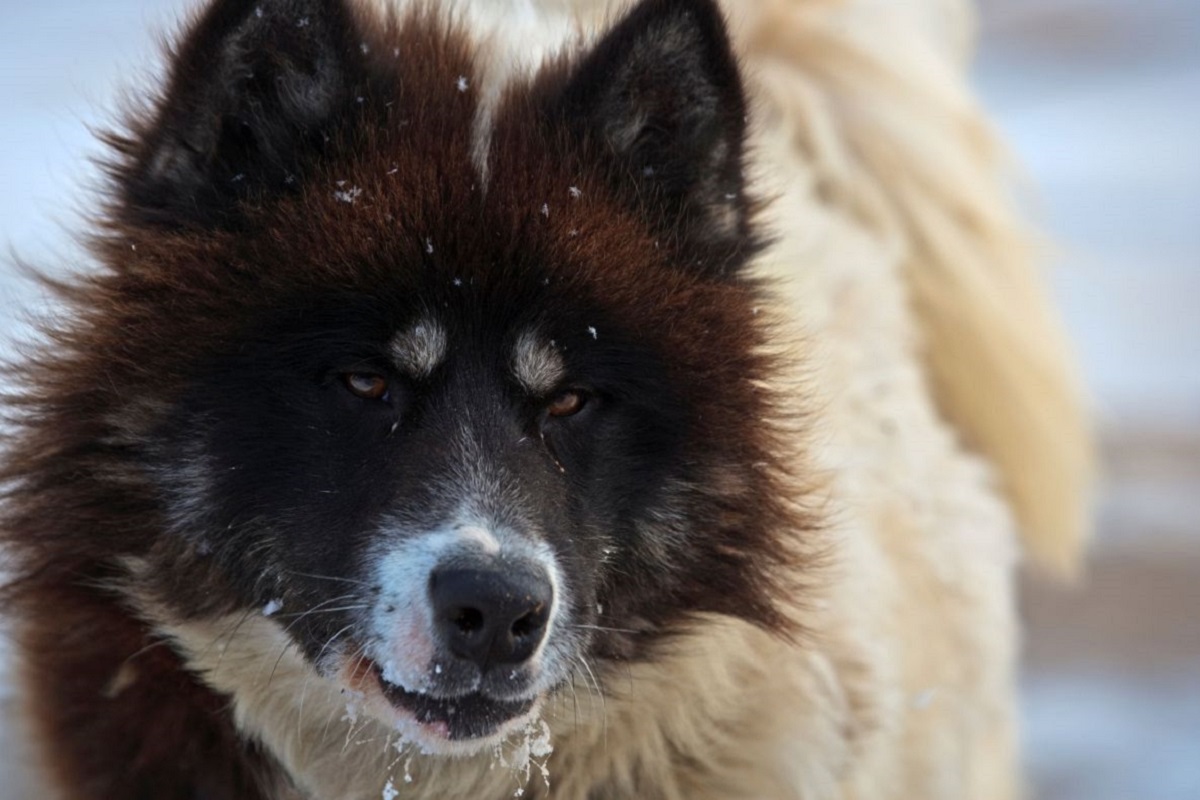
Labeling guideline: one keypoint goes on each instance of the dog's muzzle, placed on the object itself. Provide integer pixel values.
(460, 631)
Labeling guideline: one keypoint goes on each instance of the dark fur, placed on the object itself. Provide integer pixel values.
(233, 286)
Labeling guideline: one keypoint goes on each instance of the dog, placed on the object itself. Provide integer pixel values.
(542, 399)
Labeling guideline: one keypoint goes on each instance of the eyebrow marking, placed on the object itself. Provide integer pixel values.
(537, 365)
(419, 349)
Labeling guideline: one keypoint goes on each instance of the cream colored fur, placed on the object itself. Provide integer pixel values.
(872, 95)
(874, 100)
(945, 420)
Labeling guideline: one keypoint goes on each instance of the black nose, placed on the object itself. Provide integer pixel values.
(493, 615)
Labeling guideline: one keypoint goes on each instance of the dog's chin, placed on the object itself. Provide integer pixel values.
(450, 726)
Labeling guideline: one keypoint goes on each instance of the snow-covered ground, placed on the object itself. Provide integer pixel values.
(1101, 102)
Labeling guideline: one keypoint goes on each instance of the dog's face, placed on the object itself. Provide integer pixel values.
(438, 496)
(464, 407)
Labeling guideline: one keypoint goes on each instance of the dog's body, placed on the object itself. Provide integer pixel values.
(390, 333)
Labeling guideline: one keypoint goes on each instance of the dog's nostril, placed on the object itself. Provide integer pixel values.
(531, 623)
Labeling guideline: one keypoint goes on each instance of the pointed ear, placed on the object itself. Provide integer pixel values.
(254, 90)
(663, 92)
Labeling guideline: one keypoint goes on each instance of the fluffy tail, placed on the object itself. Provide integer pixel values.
(878, 99)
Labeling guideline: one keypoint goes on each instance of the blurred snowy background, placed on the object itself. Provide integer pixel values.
(1100, 100)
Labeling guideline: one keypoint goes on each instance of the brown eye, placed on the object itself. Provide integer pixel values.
(566, 404)
(367, 385)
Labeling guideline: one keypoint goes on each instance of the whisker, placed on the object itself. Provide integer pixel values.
(293, 623)
(159, 641)
(331, 640)
(328, 578)
(318, 608)
(357, 607)
(228, 633)
(300, 706)
(357, 656)
(352, 731)
(575, 701)
(603, 699)
(602, 628)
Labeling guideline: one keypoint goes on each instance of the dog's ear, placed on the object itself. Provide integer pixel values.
(662, 90)
(255, 90)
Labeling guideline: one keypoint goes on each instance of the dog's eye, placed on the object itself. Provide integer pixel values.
(567, 404)
(367, 385)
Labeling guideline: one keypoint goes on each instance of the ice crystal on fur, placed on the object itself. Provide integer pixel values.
(347, 195)
(534, 745)
(408, 776)
(353, 707)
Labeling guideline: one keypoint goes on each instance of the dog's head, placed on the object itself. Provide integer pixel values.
(465, 396)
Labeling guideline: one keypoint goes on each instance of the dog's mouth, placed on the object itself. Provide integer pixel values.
(459, 719)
